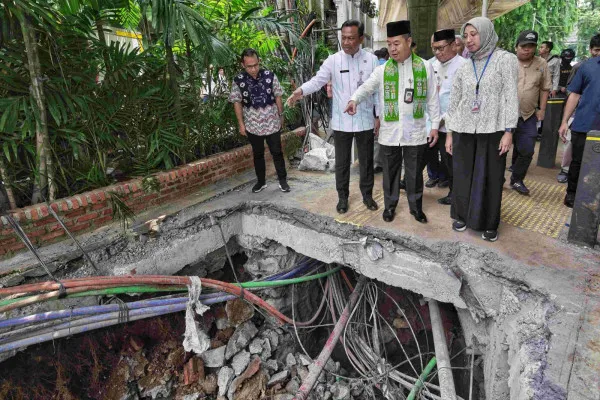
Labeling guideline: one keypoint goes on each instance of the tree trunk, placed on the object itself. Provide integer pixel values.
(45, 177)
(9, 193)
(146, 30)
(172, 81)
(192, 70)
(102, 39)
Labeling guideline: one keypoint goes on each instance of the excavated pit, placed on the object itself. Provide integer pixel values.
(505, 320)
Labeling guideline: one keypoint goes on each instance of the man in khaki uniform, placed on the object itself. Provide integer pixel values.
(535, 83)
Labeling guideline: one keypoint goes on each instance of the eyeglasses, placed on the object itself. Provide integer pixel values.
(440, 48)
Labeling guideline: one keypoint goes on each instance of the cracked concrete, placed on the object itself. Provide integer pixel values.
(529, 302)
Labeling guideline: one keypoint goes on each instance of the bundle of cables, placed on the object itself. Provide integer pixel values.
(27, 330)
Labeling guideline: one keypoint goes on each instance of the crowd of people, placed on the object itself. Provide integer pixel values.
(459, 113)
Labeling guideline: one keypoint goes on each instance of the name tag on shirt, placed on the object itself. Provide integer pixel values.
(408, 95)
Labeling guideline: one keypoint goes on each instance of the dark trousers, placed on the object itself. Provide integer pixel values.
(446, 158)
(414, 162)
(436, 169)
(524, 141)
(258, 151)
(343, 151)
(478, 179)
(578, 142)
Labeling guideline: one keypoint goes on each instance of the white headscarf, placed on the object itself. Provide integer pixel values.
(487, 35)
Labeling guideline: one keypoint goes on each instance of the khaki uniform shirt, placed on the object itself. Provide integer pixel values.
(533, 79)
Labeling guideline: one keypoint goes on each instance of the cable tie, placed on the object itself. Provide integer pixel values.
(62, 291)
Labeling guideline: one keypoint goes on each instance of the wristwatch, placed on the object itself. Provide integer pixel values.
(511, 130)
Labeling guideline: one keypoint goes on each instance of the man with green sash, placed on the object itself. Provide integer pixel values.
(407, 90)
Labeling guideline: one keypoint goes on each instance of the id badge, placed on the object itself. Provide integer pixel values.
(408, 96)
(476, 107)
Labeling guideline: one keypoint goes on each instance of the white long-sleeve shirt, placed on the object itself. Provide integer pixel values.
(407, 131)
(444, 74)
(346, 74)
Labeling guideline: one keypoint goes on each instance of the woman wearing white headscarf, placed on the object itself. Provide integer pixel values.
(482, 115)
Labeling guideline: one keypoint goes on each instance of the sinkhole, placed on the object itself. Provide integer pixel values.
(385, 317)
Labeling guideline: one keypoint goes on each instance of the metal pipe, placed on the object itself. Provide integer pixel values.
(441, 352)
(484, 8)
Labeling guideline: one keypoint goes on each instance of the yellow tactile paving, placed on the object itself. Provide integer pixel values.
(359, 214)
(542, 211)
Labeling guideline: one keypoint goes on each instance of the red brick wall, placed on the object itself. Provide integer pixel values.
(93, 209)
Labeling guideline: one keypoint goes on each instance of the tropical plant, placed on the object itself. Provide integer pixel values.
(554, 20)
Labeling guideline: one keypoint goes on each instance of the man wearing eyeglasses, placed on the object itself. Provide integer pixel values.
(445, 64)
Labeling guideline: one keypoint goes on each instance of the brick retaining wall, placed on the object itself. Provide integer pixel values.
(91, 210)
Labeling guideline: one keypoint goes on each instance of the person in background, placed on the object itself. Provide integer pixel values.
(382, 55)
(584, 100)
(256, 97)
(460, 47)
(566, 57)
(445, 65)
(407, 91)
(534, 86)
(482, 115)
(347, 70)
(553, 65)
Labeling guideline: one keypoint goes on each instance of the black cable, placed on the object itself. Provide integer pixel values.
(86, 255)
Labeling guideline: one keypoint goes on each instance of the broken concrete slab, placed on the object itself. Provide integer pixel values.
(240, 361)
(224, 378)
(214, 358)
(278, 378)
(240, 339)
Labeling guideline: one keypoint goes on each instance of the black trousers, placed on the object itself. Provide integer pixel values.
(258, 151)
(578, 142)
(343, 149)
(414, 162)
(524, 147)
(478, 179)
(446, 158)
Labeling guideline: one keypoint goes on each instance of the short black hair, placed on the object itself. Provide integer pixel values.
(595, 41)
(384, 52)
(549, 44)
(248, 53)
(358, 24)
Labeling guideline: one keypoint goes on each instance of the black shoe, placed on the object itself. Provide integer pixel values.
(283, 185)
(563, 176)
(259, 187)
(445, 200)
(431, 183)
(342, 206)
(569, 200)
(459, 226)
(403, 184)
(538, 138)
(419, 216)
(520, 187)
(510, 168)
(444, 184)
(389, 214)
(490, 236)
(378, 170)
(370, 203)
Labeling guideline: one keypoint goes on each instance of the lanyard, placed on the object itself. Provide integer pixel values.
(482, 72)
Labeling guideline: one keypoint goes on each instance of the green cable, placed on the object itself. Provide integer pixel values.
(109, 291)
(286, 282)
(148, 289)
(420, 382)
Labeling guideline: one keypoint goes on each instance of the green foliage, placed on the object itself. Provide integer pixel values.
(120, 210)
(554, 21)
(587, 26)
(111, 109)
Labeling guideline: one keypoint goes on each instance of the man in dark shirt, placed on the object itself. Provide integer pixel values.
(584, 95)
(566, 57)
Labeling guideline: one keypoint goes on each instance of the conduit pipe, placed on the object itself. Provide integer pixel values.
(317, 365)
(447, 390)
